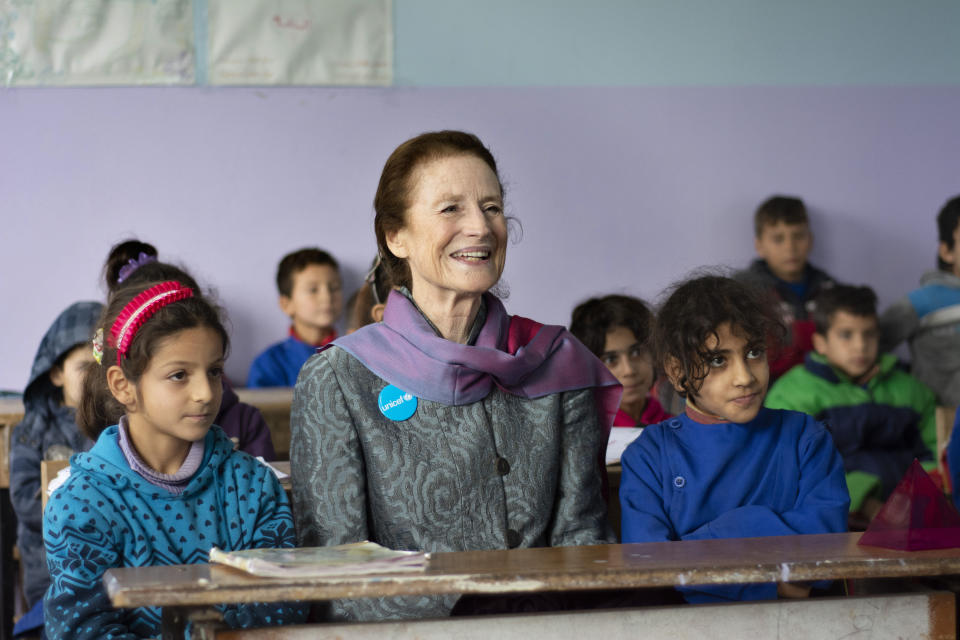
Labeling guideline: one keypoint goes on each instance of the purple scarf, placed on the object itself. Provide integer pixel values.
(520, 356)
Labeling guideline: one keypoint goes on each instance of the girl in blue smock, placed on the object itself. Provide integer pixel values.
(727, 467)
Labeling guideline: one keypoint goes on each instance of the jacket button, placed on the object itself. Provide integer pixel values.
(679, 481)
(503, 467)
(675, 424)
(513, 539)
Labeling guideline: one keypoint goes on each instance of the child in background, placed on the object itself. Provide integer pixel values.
(783, 241)
(163, 484)
(310, 293)
(929, 317)
(48, 432)
(617, 329)
(727, 467)
(367, 304)
(881, 417)
(135, 261)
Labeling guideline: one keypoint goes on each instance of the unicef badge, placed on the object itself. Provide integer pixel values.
(397, 404)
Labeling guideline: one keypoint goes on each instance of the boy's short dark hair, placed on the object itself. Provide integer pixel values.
(947, 221)
(593, 319)
(693, 311)
(857, 301)
(775, 209)
(294, 263)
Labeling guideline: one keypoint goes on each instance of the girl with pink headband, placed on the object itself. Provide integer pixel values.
(163, 484)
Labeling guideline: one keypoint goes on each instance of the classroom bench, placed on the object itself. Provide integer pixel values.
(189, 592)
(274, 404)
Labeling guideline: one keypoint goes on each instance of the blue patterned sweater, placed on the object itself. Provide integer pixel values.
(106, 515)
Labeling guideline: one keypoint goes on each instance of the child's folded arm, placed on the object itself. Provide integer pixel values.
(822, 499)
(643, 516)
(273, 530)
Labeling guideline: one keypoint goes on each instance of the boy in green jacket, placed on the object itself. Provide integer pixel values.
(881, 417)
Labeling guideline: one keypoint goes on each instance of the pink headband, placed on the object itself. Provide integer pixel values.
(140, 309)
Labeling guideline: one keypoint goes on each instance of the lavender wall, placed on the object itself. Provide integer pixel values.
(618, 189)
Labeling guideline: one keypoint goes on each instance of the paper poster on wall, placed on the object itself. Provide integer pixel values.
(96, 42)
(340, 42)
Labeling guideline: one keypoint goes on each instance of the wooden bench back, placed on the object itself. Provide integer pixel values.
(11, 413)
(274, 404)
(48, 471)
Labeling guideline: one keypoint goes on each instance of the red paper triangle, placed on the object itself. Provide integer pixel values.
(916, 516)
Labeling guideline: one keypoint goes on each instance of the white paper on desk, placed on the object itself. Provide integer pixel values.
(60, 478)
(332, 42)
(280, 474)
(620, 438)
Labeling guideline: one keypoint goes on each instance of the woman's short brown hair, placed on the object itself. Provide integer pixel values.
(393, 192)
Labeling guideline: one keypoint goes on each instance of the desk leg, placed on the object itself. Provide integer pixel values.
(204, 623)
(8, 531)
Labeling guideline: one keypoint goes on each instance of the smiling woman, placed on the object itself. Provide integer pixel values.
(451, 425)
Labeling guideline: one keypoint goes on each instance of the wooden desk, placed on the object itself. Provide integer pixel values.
(274, 404)
(189, 589)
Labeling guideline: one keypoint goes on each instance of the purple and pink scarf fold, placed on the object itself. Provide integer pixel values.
(522, 357)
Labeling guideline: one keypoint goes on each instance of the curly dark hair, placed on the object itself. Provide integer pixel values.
(857, 301)
(693, 311)
(593, 319)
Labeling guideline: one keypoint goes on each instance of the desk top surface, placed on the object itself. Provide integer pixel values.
(280, 397)
(732, 560)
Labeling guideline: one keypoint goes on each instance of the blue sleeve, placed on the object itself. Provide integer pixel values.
(273, 530)
(266, 371)
(821, 507)
(80, 549)
(644, 517)
(643, 513)
(822, 498)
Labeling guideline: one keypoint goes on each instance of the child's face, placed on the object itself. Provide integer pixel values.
(737, 377)
(179, 393)
(316, 299)
(785, 247)
(630, 363)
(851, 344)
(69, 376)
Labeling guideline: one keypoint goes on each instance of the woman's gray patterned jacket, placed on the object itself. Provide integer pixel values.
(499, 473)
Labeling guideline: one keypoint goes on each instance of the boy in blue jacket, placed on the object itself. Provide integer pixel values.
(727, 467)
(311, 295)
